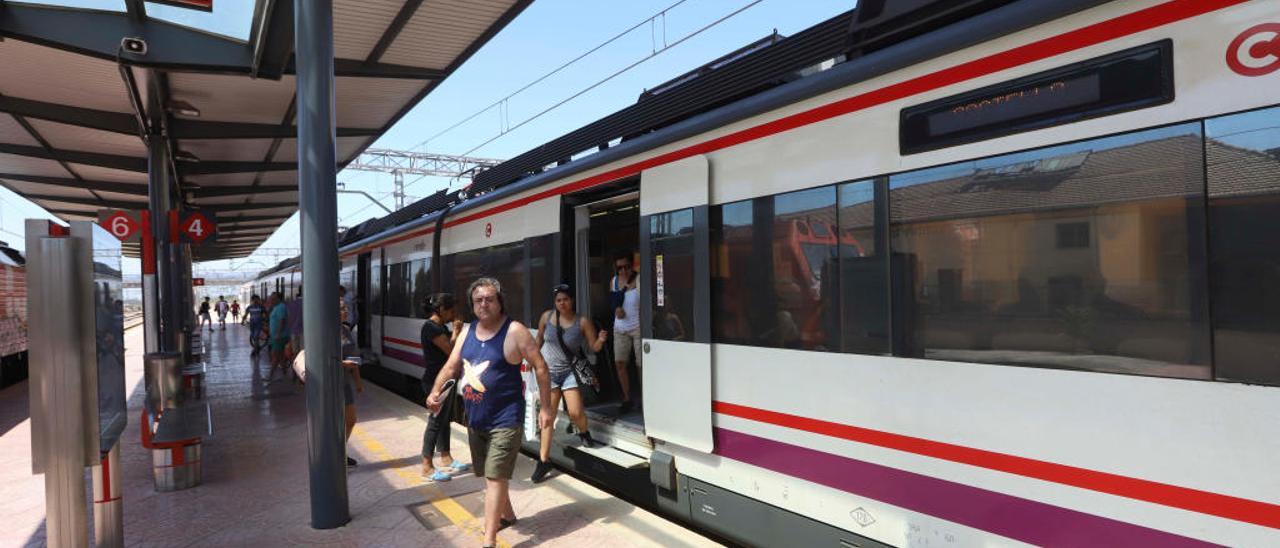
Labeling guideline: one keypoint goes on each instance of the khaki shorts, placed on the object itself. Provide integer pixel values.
(494, 452)
(624, 344)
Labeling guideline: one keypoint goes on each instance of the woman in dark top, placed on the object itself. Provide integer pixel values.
(437, 343)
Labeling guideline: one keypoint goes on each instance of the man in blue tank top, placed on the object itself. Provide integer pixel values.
(493, 392)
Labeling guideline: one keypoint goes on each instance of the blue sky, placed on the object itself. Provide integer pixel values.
(548, 34)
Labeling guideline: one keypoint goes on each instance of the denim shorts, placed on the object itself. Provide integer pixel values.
(564, 380)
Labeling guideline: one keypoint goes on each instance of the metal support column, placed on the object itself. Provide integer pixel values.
(161, 201)
(318, 208)
(150, 292)
(108, 506)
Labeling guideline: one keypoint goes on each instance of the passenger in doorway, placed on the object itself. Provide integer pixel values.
(277, 327)
(203, 316)
(625, 296)
(235, 310)
(294, 308)
(351, 365)
(439, 333)
(222, 308)
(563, 335)
(254, 316)
(489, 361)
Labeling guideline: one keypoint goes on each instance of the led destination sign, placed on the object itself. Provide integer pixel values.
(1128, 80)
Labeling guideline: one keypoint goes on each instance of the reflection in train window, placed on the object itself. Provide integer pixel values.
(864, 294)
(669, 275)
(1244, 211)
(773, 279)
(992, 282)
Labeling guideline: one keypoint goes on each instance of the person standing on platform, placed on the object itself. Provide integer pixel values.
(294, 308)
(349, 354)
(278, 330)
(437, 343)
(349, 299)
(488, 359)
(222, 307)
(254, 315)
(625, 294)
(235, 311)
(203, 316)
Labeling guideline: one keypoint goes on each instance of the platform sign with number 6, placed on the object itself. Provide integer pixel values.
(197, 227)
(126, 226)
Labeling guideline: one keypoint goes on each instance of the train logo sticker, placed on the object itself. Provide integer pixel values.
(1256, 51)
(488, 230)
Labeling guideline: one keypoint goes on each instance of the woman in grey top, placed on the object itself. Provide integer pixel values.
(563, 336)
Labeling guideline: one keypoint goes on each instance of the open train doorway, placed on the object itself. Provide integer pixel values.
(606, 236)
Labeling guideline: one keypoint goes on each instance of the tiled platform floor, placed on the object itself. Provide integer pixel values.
(255, 490)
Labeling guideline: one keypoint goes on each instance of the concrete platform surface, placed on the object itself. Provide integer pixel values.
(255, 478)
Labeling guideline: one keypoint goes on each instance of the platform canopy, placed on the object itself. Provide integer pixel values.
(77, 108)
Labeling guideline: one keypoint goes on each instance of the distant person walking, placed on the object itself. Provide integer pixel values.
(222, 308)
(277, 326)
(295, 324)
(203, 316)
(493, 346)
(255, 316)
(235, 311)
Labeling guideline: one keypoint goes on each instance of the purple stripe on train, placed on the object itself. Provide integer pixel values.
(404, 356)
(1006, 515)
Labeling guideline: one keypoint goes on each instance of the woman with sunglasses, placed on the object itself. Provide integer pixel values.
(562, 336)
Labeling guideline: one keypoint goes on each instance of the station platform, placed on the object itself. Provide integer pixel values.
(255, 486)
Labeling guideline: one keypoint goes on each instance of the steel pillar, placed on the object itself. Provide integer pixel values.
(150, 291)
(161, 201)
(318, 208)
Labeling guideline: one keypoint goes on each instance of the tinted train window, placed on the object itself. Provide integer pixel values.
(995, 277)
(670, 275)
(774, 279)
(421, 287)
(1243, 155)
(541, 275)
(504, 263)
(375, 289)
(399, 290)
(863, 313)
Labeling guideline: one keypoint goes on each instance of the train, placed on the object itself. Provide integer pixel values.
(927, 273)
(13, 316)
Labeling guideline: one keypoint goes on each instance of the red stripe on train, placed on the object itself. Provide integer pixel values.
(1195, 500)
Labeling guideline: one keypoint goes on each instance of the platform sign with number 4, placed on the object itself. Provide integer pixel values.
(197, 227)
(126, 226)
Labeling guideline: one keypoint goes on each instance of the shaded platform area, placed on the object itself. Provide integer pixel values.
(255, 490)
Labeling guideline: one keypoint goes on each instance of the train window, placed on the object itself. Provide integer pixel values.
(670, 275)
(1244, 214)
(504, 263)
(864, 292)
(990, 284)
(399, 290)
(375, 289)
(421, 287)
(774, 279)
(541, 274)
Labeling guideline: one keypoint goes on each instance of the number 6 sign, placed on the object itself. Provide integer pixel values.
(123, 225)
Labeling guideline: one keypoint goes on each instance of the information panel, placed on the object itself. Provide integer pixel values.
(108, 306)
(1135, 78)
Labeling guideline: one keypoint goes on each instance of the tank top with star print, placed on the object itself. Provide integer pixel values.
(492, 389)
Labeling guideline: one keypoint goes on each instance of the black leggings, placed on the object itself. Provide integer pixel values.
(437, 434)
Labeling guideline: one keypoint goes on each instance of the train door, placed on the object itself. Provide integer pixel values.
(676, 301)
(362, 284)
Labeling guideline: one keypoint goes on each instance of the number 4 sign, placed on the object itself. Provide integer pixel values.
(196, 228)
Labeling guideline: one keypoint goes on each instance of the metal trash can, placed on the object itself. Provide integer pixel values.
(176, 468)
(163, 373)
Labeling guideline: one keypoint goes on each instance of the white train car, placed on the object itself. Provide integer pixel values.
(981, 273)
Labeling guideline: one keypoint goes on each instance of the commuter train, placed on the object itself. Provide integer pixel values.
(13, 315)
(925, 274)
